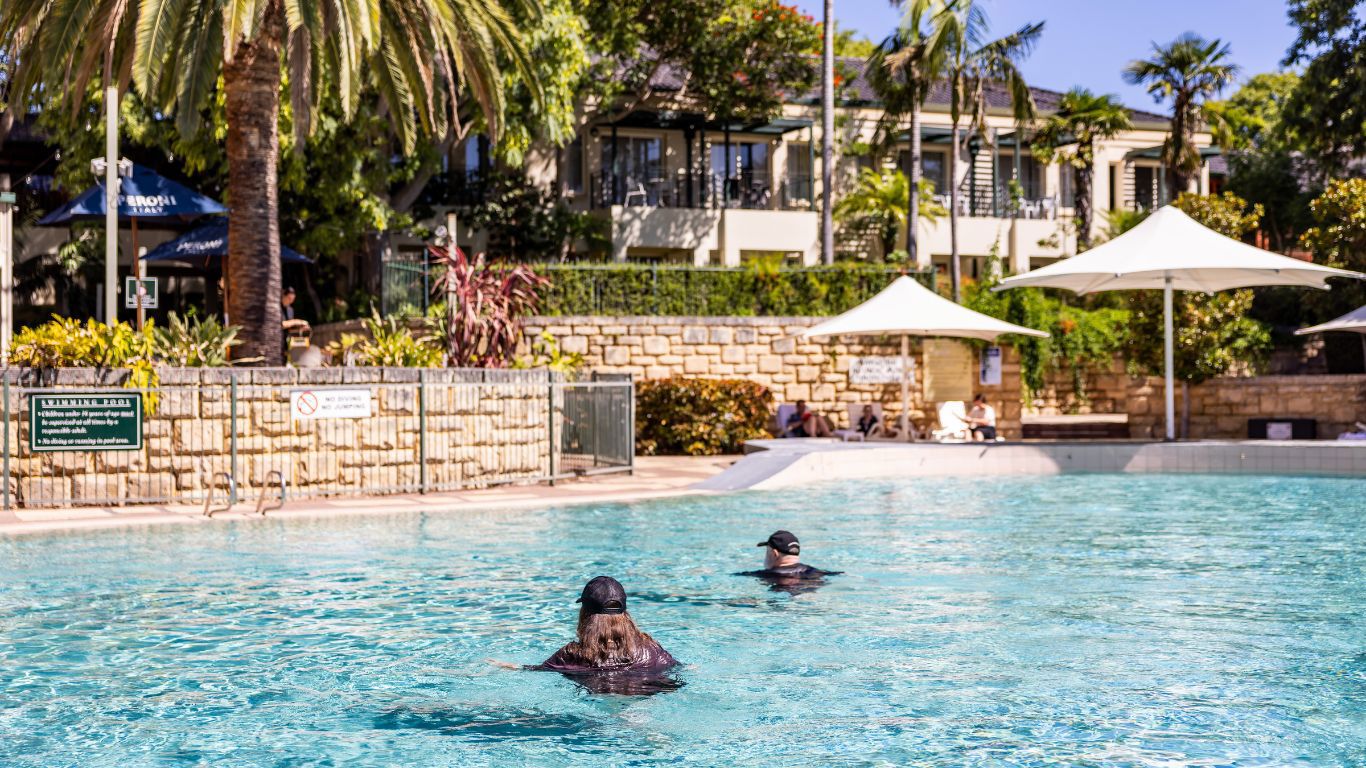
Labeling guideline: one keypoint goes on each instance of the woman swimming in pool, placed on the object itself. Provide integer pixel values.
(609, 640)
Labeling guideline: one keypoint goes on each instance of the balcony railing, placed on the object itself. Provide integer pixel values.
(746, 190)
(456, 187)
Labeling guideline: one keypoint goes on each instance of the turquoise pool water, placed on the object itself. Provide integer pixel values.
(1083, 620)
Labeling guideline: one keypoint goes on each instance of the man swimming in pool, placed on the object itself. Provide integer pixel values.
(782, 562)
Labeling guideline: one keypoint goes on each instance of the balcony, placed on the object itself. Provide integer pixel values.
(744, 191)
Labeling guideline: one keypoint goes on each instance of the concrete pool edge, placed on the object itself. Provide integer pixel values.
(787, 463)
(659, 477)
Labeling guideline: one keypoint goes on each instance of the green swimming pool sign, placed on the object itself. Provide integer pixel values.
(85, 422)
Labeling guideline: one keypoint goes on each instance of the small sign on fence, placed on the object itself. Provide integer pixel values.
(878, 370)
(347, 403)
(144, 288)
(85, 422)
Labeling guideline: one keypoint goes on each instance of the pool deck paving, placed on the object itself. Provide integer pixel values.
(654, 477)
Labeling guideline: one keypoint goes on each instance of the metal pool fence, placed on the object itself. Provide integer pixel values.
(221, 444)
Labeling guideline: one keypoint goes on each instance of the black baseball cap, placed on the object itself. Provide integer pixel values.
(604, 595)
(784, 542)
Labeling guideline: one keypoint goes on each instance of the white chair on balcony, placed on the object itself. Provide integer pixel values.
(1050, 207)
(638, 193)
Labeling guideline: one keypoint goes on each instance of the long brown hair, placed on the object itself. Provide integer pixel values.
(609, 639)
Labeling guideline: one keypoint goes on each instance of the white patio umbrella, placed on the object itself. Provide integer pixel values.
(1354, 321)
(906, 308)
(1172, 251)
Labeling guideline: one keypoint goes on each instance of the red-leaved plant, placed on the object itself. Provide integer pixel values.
(484, 308)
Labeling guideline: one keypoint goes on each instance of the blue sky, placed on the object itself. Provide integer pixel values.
(1088, 42)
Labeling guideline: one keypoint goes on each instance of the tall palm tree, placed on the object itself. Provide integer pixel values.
(1069, 135)
(1189, 70)
(901, 71)
(419, 55)
(973, 62)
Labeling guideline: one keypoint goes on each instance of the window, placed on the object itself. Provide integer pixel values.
(638, 158)
(748, 159)
(1067, 185)
(1145, 187)
(571, 166)
(799, 171)
(1031, 174)
(475, 155)
(932, 167)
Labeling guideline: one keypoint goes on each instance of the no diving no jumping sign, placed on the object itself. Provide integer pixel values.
(348, 403)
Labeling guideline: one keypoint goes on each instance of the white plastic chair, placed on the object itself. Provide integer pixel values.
(785, 412)
(638, 192)
(953, 423)
(885, 431)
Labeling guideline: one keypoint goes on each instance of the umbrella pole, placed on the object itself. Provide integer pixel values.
(137, 274)
(906, 388)
(1168, 356)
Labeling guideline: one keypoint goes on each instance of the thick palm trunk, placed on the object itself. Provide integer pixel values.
(955, 269)
(1081, 204)
(252, 89)
(913, 208)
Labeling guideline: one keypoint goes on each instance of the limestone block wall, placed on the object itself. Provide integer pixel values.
(762, 349)
(1219, 408)
(462, 429)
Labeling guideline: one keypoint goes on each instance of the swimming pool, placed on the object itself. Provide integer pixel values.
(1078, 620)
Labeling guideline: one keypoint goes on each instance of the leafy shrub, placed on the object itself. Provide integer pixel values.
(546, 353)
(65, 342)
(196, 342)
(390, 343)
(699, 417)
(485, 306)
(764, 287)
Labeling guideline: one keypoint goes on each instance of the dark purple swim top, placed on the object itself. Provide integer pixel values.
(798, 571)
(656, 660)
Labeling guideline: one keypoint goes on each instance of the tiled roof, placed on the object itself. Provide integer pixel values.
(857, 90)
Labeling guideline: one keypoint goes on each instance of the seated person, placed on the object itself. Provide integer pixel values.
(805, 423)
(782, 561)
(608, 640)
(869, 425)
(982, 419)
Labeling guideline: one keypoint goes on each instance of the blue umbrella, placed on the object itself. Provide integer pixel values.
(209, 242)
(146, 195)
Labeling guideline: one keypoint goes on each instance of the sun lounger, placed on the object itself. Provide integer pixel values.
(953, 423)
(855, 413)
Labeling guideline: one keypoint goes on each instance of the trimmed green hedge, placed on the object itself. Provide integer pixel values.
(629, 289)
(699, 417)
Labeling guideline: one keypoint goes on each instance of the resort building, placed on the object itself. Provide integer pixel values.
(675, 186)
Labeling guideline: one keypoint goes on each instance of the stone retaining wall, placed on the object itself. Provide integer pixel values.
(761, 349)
(480, 427)
(1219, 408)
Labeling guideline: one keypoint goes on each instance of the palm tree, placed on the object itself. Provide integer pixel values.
(1081, 119)
(1188, 71)
(884, 199)
(971, 65)
(417, 54)
(901, 71)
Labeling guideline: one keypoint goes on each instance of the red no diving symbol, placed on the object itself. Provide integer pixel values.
(308, 404)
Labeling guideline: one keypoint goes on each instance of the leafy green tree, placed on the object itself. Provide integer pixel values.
(736, 58)
(901, 71)
(1069, 135)
(1188, 71)
(1251, 117)
(1338, 238)
(880, 198)
(416, 54)
(1214, 334)
(974, 60)
(1323, 113)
